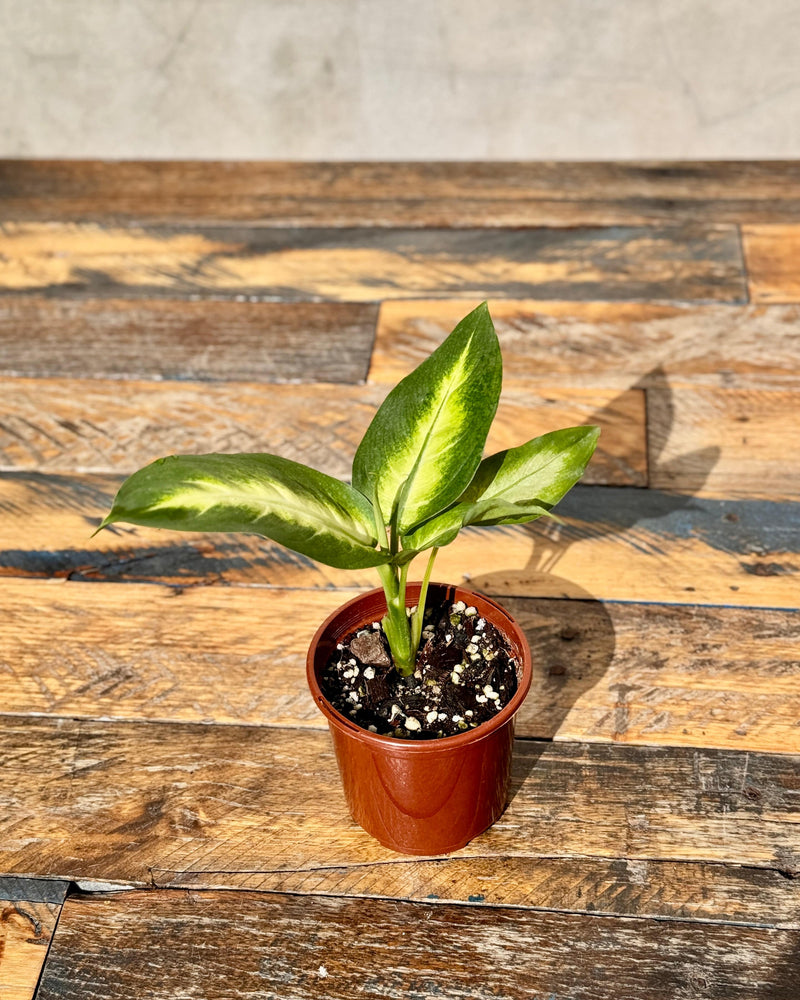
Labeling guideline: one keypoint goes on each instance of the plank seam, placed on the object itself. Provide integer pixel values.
(409, 901)
(788, 874)
(314, 727)
(50, 942)
(73, 576)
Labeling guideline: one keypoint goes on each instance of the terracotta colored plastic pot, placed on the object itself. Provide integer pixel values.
(427, 796)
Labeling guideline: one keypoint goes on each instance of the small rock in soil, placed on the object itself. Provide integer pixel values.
(464, 675)
(370, 650)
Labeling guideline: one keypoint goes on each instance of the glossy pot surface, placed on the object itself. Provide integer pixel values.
(422, 796)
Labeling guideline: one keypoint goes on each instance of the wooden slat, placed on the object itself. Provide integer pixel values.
(725, 442)
(607, 343)
(691, 262)
(65, 425)
(91, 425)
(113, 801)
(210, 340)
(644, 674)
(405, 194)
(771, 253)
(684, 890)
(617, 544)
(166, 944)
(29, 911)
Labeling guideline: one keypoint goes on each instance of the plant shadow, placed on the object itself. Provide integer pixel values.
(572, 640)
(612, 510)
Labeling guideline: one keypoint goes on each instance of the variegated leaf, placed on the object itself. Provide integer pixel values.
(425, 442)
(301, 508)
(514, 486)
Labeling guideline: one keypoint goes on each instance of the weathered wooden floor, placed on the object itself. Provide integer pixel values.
(170, 829)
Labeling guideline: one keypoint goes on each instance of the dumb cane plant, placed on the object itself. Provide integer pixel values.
(418, 479)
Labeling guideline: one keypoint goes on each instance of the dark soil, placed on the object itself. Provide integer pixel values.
(465, 674)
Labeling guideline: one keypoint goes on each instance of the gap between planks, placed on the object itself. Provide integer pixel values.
(646, 888)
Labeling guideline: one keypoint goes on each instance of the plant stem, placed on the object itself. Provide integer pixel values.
(380, 524)
(396, 624)
(419, 614)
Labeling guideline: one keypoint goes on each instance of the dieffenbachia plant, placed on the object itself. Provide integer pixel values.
(418, 479)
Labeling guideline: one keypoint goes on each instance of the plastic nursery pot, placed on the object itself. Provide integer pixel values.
(427, 796)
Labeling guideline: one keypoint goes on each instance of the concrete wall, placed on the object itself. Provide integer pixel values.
(400, 79)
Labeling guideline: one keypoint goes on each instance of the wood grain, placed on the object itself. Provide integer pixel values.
(690, 262)
(756, 452)
(643, 674)
(400, 194)
(29, 912)
(771, 253)
(97, 425)
(617, 344)
(209, 340)
(616, 544)
(666, 889)
(231, 945)
(114, 800)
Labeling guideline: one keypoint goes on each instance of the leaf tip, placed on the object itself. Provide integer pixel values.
(103, 524)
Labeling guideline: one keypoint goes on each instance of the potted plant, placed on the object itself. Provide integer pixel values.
(419, 682)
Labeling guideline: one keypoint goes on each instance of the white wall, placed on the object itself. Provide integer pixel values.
(400, 79)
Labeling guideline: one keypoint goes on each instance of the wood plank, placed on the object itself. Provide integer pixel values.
(617, 544)
(114, 800)
(643, 674)
(689, 262)
(617, 344)
(89, 425)
(229, 945)
(29, 912)
(665, 889)
(400, 194)
(209, 340)
(749, 432)
(771, 254)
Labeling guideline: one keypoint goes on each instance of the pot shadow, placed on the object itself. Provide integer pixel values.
(572, 646)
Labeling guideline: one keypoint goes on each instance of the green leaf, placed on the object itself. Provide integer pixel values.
(425, 442)
(301, 508)
(514, 486)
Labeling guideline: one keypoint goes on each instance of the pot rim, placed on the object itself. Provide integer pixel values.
(444, 743)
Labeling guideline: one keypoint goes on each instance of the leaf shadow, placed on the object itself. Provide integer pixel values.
(572, 637)
(689, 471)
